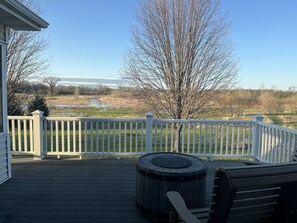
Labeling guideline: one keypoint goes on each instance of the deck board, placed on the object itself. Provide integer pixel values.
(97, 190)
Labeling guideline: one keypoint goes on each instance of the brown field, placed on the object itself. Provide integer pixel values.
(82, 100)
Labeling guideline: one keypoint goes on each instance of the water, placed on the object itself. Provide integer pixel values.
(91, 103)
(97, 103)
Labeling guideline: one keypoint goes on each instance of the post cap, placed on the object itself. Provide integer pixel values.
(149, 115)
(37, 112)
(258, 118)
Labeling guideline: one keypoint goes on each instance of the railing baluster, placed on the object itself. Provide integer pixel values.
(131, 141)
(205, 138)
(172, 136)
(79, 137)
(289, 148)
(85, 136)
(13, 135)
(194, 138)
(74, 135)
(57, 136)
(285, 146)
(232, 140)
(136, 136)
(277, 155)
(91, 138)
(200, 137)
(294, 138)
(243, 139)
(97, 138)
(183, 138)
(273, 146)
(120, 137)
(114, 137)
(222, 139)
(249, 139)
(52, 137)
(125, 137)
(270, 144)
(189, 133)
(166, 138)
(216, 139)
(227, 140)
(19, 136)
(238, 139)
(25, 136)
(31, 135)
(155, 126)
(108, 137)
(68, 136)
(210, 140)
(102, 138)
(281, 150)
(161, 137)
(63, 136)
(142, 137)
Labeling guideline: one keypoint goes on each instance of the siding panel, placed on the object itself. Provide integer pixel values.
(3, 159)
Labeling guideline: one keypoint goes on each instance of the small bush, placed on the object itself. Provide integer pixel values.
(38, 103)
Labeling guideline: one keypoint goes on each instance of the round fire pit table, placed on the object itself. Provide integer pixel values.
(158, 173)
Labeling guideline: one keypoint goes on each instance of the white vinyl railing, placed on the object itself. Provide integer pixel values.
(204, 137)
(93, 136)
(21, 134)
(59, 136)
(276, 144)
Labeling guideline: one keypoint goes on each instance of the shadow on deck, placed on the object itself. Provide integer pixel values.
(99, 190)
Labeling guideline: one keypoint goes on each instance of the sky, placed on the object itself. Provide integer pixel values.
(89, 38)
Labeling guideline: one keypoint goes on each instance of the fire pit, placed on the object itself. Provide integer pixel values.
(158, 173)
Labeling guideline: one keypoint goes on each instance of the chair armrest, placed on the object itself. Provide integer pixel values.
(179, 205)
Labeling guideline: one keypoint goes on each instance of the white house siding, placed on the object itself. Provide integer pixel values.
(3, 158)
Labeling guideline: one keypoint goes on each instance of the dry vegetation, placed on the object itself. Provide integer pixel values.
(81, 100)
(278, 107)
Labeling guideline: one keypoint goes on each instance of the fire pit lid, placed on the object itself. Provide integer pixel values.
(172, 162)
(167, 165)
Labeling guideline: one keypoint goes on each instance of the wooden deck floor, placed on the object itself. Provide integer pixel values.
(101, 190)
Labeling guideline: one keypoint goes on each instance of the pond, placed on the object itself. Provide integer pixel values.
(97, 103)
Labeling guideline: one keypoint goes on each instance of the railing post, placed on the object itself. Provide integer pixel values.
(255, 142)
(149, 132)
(38, 134)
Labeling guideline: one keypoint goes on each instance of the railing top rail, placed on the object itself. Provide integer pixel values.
(205, 121)
(20, 117)
(284, 129)
(95, 119)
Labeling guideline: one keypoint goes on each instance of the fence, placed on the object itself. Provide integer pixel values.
(253, 139)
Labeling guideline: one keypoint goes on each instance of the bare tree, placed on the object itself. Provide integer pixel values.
(25, 59)
(271, 102)
(181, 56)
(52, 82)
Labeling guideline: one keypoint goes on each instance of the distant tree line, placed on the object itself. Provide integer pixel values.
(45, 89)
(264, 101)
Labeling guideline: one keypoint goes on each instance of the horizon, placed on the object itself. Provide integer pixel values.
(118, 82)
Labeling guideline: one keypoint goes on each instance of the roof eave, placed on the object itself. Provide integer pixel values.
(30, 19)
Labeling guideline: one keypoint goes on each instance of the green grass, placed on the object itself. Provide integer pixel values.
(93, 112)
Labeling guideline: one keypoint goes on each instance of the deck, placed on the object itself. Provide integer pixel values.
(97, 190)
